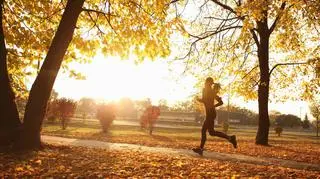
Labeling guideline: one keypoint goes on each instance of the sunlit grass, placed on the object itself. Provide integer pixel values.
(78, 128)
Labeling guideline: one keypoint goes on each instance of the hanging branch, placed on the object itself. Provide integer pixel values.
(286, 64)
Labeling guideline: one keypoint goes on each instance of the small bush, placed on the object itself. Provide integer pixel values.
(306, 124)
(278, 130)
(225, 127)
(52, 119)
(66, 108)
(149, 117)
(106, 114)
(62, 109)
(199, 118)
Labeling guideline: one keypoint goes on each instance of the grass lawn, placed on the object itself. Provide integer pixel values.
(298, 146)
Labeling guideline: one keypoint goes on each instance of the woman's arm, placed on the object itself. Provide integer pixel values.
(201, 99)
(220, 102)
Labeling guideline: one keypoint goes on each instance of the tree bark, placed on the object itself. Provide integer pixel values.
(9, 116)
(263, 89)
(41, 88)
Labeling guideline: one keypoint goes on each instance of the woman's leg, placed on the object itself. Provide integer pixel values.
(204, 133)
(212, 132)
(203, 137)
(212, 115)
(219, 134)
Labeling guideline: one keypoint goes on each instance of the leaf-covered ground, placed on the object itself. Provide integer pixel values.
(72, 162)
(297, 149)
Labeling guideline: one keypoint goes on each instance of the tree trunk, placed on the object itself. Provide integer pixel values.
(41, 88)
(263, 89)
(9, 116)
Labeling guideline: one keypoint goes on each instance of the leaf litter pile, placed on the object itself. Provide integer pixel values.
(66, 161)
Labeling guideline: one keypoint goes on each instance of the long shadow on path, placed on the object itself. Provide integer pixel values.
(207, 155)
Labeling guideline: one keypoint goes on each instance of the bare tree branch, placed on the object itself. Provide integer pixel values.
(95, 23)
(211, 33)
(283, 5)
(225, 6)
(221, 19)
(250, 71)
(286, 64)
(93, 10)
(255, 37)
(174, 1)
(106, 15)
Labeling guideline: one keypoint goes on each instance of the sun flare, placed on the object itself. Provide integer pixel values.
(113, 79)
(110, 78)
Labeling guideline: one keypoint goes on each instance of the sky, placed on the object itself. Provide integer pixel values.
(110, 78)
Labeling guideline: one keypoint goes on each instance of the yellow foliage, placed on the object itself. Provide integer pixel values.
(117, 28)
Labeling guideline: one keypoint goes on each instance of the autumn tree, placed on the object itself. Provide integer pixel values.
(125, 107)
(149, 117)
(86, 106)
(9, 116)
(106, 114)
(315, 111)
(163, 105)
(65, 110)
(233, 41)
(185, 106)
(118, 28)
(140, 105)
(42, 86)
(288, 120)
(306, 122)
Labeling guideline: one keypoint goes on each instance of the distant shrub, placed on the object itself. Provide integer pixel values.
(52, 119)
(278, 129)
(149, 117)
(225, 127)
(106, 114)
(52, 113)
(306, 123)
(199, 118)
(65, 109)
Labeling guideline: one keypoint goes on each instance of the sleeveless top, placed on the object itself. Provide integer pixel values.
(208, 97)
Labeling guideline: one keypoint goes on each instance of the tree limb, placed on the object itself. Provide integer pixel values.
(255, 37)
(250, 71)
(286, 64)
(93, 10)
(213, 33)
(95, 23)
(224, 6)
(221, 19)
(283, 5)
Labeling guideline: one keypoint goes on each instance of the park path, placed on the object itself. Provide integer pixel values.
(239, 158)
